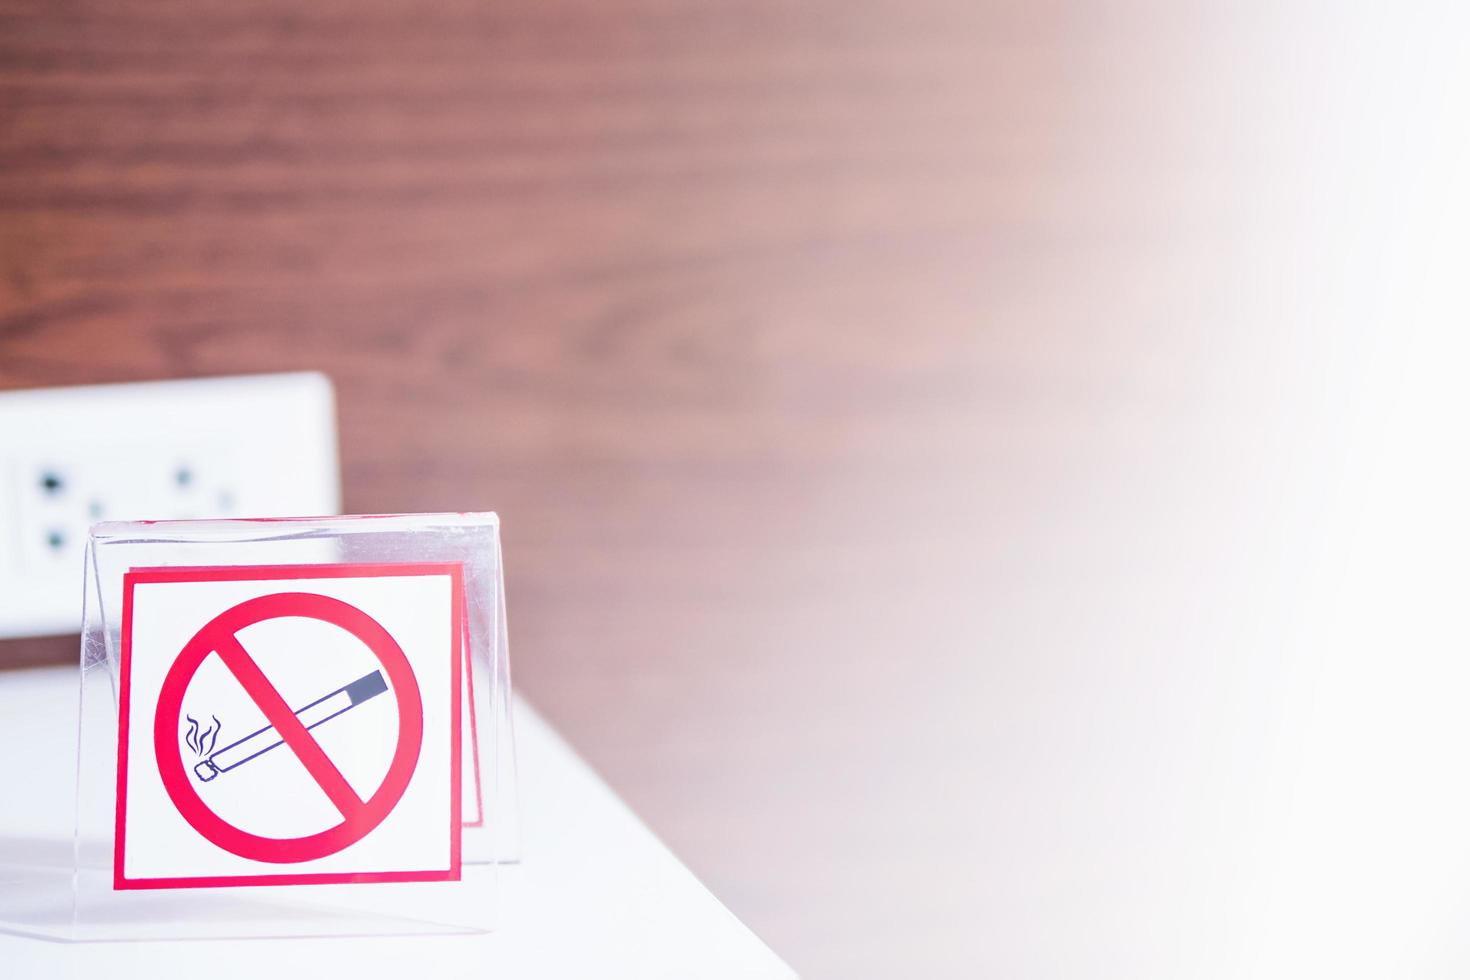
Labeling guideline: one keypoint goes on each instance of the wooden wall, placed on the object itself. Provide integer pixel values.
(789, 340)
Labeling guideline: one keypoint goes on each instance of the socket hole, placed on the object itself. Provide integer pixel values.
(226, 501)
(52, 483)
(184, 477)
(95, 509)
(56, 539)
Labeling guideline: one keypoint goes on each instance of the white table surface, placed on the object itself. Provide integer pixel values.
(596, 895)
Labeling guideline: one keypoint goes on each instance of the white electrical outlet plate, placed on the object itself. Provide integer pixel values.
(253, 446)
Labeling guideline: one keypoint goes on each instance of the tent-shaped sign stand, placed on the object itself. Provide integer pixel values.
(291, 728)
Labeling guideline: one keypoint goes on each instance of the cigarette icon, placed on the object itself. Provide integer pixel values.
(320, 711)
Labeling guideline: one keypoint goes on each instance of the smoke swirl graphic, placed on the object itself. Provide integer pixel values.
(201, 741)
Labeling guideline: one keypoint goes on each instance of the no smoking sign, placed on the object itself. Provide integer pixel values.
(290, 725)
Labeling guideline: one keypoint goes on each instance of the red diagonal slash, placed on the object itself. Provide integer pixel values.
(289, 727)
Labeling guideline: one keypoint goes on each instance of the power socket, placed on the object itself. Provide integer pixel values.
(253, 446)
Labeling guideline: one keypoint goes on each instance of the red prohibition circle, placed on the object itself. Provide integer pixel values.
(359, 818)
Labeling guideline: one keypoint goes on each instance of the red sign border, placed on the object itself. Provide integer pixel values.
(469, 683)
(249, 573)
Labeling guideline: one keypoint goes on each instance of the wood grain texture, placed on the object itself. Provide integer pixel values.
(778, 335)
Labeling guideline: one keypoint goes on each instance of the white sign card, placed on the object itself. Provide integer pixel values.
(296, 724)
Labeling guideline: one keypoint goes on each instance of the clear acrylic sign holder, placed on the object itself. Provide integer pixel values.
(209, 795)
